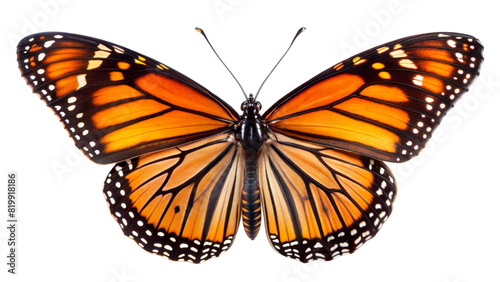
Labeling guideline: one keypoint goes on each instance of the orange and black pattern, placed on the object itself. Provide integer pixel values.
(115, 103)
(384, 102)
(321, 202)
(182, 203)
(315, 169)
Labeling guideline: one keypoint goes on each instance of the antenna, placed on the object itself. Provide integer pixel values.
(293, 40)
(204, 35)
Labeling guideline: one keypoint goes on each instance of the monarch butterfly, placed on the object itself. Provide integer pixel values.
(189, 167)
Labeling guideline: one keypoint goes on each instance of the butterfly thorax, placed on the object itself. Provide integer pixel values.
(250, 130)
(251, 133)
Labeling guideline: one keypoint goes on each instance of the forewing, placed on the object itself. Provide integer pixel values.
(181, 203)
(385, 102)
(115, 103)
(318, 202)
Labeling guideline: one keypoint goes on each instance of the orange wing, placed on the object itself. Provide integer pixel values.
(385, 102)
(319, 202)
(182, 203)
(114, 102)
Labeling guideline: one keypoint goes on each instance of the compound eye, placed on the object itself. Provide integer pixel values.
(258, 106)
(244, 106)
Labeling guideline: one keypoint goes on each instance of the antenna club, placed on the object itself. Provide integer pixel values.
(199, 30)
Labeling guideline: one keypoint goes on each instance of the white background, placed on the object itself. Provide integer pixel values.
(444, 226)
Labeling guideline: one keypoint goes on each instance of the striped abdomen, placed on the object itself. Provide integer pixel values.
(251, 202)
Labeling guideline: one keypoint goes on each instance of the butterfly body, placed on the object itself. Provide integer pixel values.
(251, 133)
(189, 167)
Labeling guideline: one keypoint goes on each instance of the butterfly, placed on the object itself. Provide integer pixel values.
(189, 167)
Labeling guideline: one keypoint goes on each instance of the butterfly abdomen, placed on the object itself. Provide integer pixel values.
(250, 199)
(250, 195)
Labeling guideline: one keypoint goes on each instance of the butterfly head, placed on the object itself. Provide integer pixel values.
(251, 106)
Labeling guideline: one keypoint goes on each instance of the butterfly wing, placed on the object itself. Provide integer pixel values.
(181, 203)
(320, 202)
(115, 103)
(176, 188)
(325, 189)
(385, 102)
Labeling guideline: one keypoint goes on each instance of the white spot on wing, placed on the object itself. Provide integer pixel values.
(101, 54)
(103, 47)
(48, 43)
(82, 81)
(93, 64)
